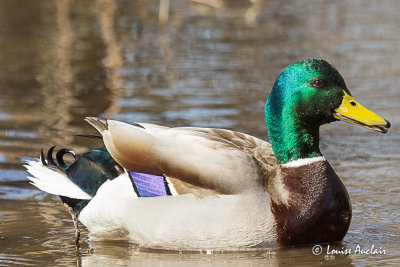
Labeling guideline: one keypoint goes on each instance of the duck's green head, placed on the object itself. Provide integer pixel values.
(306, 95)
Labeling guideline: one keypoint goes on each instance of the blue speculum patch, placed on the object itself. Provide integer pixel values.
(149, 185)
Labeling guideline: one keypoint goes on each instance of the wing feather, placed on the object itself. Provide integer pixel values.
(216, 160)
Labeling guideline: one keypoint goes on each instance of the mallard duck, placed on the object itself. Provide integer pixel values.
(194, 188)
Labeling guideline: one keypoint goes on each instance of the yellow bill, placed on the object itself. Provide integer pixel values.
(353, 112)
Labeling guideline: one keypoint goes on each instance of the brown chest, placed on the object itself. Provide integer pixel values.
(318, 208)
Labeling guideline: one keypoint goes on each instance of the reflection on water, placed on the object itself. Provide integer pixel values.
(210, 63)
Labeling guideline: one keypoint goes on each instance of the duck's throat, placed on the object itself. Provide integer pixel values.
(292, 140)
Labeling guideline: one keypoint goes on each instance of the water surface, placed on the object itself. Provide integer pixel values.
(209, 67)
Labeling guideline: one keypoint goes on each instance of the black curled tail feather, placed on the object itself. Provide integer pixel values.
(60, 157)
(50, 160)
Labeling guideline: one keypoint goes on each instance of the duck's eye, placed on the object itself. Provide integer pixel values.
(318, 83)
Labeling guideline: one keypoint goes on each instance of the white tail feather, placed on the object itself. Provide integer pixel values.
(53, 182)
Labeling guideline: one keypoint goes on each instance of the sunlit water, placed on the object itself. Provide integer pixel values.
(209, 67)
